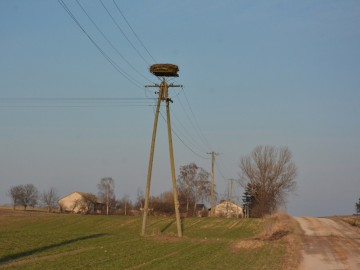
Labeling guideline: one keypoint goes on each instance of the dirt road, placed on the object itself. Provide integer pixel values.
(329, 244)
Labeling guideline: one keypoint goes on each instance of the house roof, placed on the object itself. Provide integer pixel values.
(89, 196)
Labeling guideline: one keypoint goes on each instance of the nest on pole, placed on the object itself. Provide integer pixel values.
(164, 70)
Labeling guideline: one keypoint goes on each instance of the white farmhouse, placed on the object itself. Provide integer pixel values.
(80, 202)
(228, 209)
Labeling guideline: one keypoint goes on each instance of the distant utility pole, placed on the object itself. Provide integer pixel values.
(162, 70)
(231, 190)
(213, 155)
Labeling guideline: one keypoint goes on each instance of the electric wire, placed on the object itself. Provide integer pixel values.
(222, 163)
(193, 124)
(196, 121)
(220, 172)
(182, 130)
(76, 106)
(137, 37)
(123, 33)
(110, 43)
(127, 75)
(75, 102)
(122, 72)
(182, 141)
(188, 134)
(69, 99)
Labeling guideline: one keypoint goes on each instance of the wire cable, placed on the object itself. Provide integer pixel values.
(197, 122)
(182, 141)
(75, 102)
(220, 172)
(197, 130)
(110, 43)
(183, 130)
(122, 72)
(123, 33)
(222, 163)
(189, 136)
(137, 37)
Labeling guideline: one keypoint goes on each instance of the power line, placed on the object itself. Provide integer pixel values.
(191, 122)
(77, 106)
(137, 37)
(188, 134)
(110, 43)
(78, 99)
(222, 163)
(75, 102)
(122, 72)
(123, 33)
(220, 172)
(182, 141)
(196, 121)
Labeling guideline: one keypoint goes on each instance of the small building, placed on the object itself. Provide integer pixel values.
(81, 202)
(228, 209)
(200, 210)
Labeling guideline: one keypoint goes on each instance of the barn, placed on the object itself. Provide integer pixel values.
(80, 202)
(228, 209)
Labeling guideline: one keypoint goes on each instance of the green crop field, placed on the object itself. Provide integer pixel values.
(60, 241)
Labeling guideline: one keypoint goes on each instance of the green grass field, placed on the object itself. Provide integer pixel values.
(98, 242)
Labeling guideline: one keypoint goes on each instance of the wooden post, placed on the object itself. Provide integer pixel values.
(151, 159)
(163, 96)
(173, 175)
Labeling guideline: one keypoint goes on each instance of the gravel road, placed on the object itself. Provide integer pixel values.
(329, 244)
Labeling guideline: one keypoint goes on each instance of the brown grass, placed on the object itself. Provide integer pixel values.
(247, 244)
(277, 227)
(352, 220)
(280, 230)
(281, 227)
(294, 246)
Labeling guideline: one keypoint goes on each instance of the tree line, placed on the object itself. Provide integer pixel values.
(267, 175)
(193, 188)
(29, 196)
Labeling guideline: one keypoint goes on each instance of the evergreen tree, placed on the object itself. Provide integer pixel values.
(248, 201)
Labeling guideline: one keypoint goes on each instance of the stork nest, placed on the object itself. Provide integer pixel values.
(164, 70)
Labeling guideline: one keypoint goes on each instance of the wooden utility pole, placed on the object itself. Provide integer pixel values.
(173, 175)
(163, 70)
(231, 190)
(229, 203)
(213, 155)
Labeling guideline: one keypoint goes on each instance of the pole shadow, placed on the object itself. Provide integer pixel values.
(167, 226)
(11, 257)
(182, 225)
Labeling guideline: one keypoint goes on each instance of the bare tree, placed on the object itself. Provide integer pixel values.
(106, 192)
(87, 204)
(124, 204)
(50, 198)
(30, 196)
(269, 174)
(186, 183)
(25, 195)
(193, 185)
(15, 193)
(140, 199)
(202, 189)
(163, 204)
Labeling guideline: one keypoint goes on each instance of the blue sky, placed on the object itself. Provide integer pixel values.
(282, 73)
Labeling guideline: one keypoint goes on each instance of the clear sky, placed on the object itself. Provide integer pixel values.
(282, 73)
